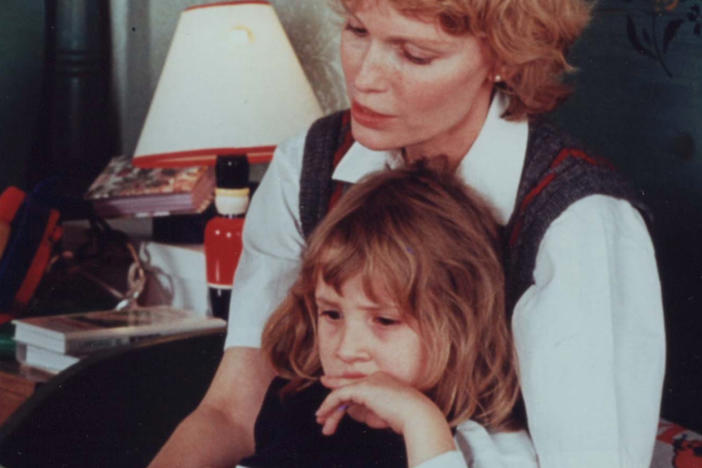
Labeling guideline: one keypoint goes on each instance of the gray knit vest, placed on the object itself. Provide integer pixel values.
(556, 174)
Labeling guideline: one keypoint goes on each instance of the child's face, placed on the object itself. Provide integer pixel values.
(357, 336)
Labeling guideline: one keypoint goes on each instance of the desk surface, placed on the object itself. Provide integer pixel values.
(17, 383)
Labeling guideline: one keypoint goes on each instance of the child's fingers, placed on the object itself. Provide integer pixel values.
(333, 420)
(353, 391)
(367, 416)
(330, 422)
(377, 400)
(374, 421)
(334, 400)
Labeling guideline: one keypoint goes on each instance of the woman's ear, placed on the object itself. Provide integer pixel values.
(496, 74)
(500, 73)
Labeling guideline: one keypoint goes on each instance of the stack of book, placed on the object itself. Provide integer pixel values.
(124, 190)
(56, 342)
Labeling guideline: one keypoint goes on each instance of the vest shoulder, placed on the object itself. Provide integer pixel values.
(544, 133)
(329, 122)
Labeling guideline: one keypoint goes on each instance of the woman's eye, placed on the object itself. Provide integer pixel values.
(331, 314)
(356, 30)
(415, 59)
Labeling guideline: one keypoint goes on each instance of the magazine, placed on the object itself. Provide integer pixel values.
(124, 190)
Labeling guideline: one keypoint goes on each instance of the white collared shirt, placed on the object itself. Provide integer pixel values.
(589, 333)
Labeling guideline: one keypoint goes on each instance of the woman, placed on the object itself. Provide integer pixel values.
(465, 80)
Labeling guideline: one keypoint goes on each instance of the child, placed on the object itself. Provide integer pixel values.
(399, 311)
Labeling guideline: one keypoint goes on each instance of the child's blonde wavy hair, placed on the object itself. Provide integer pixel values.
(433, 245)
(529, 40)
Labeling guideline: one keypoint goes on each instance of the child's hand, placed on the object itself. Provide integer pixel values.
(380, 401)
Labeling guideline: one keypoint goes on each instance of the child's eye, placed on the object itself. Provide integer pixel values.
(356, 30)
(386, 321)
(330, 314)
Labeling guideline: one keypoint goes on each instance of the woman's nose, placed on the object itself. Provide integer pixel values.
(372, 74)
(353, 344)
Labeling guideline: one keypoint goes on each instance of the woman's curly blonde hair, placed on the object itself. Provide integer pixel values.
(433, 245)
(529, 40)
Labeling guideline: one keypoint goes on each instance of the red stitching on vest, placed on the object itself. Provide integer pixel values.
(515, 232)
(543, 183)
(563, 155)
(579, 154)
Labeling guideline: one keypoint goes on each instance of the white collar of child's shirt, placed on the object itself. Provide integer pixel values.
(492, 166)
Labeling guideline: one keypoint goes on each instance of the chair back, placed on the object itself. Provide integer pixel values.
(114, 408)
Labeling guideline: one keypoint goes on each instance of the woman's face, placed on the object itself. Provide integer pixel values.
(358, 336)
(412, 85)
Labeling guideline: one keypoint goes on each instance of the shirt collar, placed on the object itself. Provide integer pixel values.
(492, 166)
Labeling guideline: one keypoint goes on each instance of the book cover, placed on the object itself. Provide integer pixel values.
(90, 331)
(124, 190)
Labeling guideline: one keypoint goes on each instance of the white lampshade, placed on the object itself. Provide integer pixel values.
(231, 84)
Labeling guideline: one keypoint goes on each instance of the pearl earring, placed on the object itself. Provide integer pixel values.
(498, 78)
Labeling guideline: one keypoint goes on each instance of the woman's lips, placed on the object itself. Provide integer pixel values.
(368, 117)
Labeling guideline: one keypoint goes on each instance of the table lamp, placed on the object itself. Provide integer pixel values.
(231, 84)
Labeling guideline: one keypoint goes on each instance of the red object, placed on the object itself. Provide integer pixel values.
(52, 234)
(223, 242)
(222, 250)
(201, 157)
(11, 201)
(236, 2)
